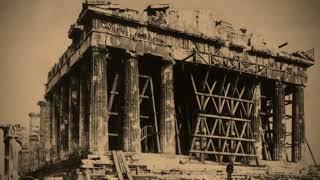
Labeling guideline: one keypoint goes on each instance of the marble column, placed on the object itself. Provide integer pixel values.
(131, 119)
(73, 110)
(257, 120)
(297, 123)
(279, 131)
(167, 110)
(98, 128)
(55, 121)
(45, 130)
(84, 109)
(34, 140)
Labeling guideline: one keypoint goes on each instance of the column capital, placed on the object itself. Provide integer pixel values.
(100, 50)
(299, 86)
(32, 114)
(168, 61)
(278, 84)
(131, 54)
(42, 103)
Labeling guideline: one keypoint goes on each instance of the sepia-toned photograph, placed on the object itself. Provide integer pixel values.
(159, 89)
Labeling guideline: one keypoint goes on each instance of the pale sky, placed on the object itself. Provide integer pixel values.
(33, 35)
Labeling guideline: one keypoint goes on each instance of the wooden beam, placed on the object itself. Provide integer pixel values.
(224, 117)
(125, 165)
(224, 97)
(224, 137)
(154, 112)
(117, 165)
(224, 153)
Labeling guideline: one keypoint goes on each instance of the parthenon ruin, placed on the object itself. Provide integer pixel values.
(163, 94)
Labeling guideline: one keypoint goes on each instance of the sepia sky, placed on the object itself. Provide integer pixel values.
(33, 35)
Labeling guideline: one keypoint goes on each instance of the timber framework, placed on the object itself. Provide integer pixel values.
(168, 94)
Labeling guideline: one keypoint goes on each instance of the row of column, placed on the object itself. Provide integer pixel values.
(86, 124)
(279, 124)
(131, 120)
(11, 161)
(278, 149)
(298, 132)
(88, 128)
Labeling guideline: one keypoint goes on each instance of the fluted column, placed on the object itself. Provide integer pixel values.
(98, 135)
(297, 123)
(279, 131)
(301, 122)
(11, 161)
(45, 130)
(84, 109)
(131, 119)
(257, 120)
(13, 158)
(167, 110)
(34, 140)
(55, 121)
(64, 118)
(73, 110)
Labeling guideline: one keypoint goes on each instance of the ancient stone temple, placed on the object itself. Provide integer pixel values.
(167, 94)
(11, 139)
